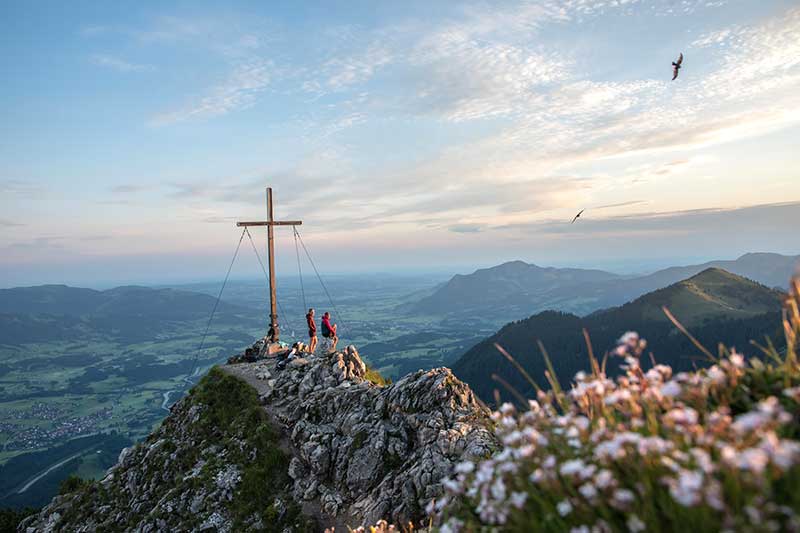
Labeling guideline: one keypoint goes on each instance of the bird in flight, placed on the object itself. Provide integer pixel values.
(676, 66)
(576, 216)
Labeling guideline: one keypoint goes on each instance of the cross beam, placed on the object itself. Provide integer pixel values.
(270, 223)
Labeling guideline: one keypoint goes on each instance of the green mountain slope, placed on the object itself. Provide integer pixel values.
(713, 293)
(716, 305)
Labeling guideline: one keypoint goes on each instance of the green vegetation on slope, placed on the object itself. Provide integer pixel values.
(233, 411)
(714, 304)
(713, 293)
(187, 455)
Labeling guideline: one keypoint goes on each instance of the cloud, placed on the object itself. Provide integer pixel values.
(352, 70)
(466, 228)
(5, 223)
(120, 65)
(621, 204)
(21, 188)
(755, 219)
(237, 92)
(129, 188)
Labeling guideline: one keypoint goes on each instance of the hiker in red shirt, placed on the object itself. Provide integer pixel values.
(312, 331)
(328, 331)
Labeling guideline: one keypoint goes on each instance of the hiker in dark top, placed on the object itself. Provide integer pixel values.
(312, 331)
(328, 331)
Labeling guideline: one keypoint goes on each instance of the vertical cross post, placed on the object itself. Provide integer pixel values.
(274, 331)
(273, 297)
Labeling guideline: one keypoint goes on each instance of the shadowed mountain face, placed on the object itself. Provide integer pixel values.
(513, 285)
(517, 289)
(714, 304)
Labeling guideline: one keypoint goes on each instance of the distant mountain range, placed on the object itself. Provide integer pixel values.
(718, 306)
(56, 312)
(517, 289)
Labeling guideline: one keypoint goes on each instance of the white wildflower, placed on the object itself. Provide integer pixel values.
(499, 489)
(685, 416)
(635, 525)
(572, 467)
(622, 497)
(512, 438)
(748, 422)
(604, 479)
(525, 451)
(793, 393)
(753, 459)
(453, 525)
(717, 376)
(564, 507)
(671, 389)
(451, 485)
(518, 499)
(686, 490)
(465, 467)
(588, 491)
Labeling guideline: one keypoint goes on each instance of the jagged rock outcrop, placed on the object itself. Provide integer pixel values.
(369, 452)
(339, 450)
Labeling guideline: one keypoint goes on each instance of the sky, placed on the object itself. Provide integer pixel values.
(408, 136)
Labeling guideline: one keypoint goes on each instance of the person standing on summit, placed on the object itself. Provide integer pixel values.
(312, 331)
(328, 331)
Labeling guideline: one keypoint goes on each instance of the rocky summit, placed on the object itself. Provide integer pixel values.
(271, 445)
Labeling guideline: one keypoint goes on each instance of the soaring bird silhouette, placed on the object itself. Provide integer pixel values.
(576, 216)
(676, 66)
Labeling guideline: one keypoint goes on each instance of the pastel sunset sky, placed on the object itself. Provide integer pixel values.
(439, 136)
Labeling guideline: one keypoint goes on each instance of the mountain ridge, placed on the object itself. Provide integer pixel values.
(580, 291)
(740, 310)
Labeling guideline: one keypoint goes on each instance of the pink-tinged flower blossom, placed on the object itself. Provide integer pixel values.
(537, 476)
(685, 416)
(507, 408)
(717, 376)
(525, 451)
(604, 479)
(793, 393)
(753, 459)
(783, 453)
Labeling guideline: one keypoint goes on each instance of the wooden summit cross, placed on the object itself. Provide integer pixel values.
(274, 332)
